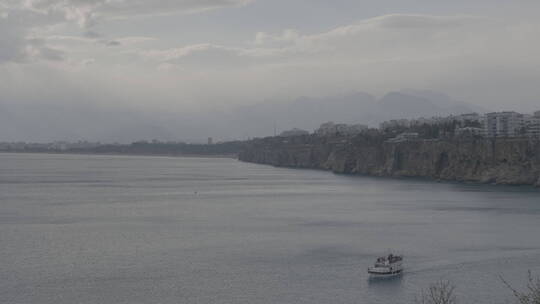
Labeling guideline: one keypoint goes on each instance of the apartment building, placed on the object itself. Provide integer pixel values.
(503, 124)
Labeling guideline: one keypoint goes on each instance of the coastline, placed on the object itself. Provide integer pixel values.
(422, 179)
(480, 161)
(231, 156)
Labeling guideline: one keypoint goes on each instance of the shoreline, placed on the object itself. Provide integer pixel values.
(409, 178)
(236, 157)
(230, 156)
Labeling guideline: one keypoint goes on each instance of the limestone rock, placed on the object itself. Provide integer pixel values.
(503, 161)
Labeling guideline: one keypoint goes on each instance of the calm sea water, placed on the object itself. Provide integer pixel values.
(119, 229)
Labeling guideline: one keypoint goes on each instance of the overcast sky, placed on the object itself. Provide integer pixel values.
(198, 55)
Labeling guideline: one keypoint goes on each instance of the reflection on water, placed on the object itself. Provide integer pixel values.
(113, 229)
(385, 282)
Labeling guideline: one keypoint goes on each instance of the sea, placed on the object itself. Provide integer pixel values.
(77, 229)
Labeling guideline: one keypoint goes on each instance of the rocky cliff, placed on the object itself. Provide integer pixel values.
(502, 161)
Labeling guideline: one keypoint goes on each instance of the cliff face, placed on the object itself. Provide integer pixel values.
(502, 161)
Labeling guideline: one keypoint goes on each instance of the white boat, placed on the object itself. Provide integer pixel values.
(387, 266)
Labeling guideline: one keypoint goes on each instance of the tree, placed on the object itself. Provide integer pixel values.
(532, 293)
(441, 292)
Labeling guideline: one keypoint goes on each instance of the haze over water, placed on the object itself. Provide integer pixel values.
(119, 229)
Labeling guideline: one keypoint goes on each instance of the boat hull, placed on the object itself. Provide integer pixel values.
(385, 276)
(386, 273)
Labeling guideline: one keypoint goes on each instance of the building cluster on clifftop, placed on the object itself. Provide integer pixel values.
(491, 125)
(331, 128)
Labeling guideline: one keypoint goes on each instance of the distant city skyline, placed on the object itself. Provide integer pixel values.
(488, 125)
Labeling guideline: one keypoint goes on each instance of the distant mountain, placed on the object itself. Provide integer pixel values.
(40, 122)
(305, 113)
(55, 122)
(445, 101)
(399, 105)
(414, 104)
(359, 107)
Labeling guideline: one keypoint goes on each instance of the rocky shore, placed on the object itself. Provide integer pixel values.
(510, 161)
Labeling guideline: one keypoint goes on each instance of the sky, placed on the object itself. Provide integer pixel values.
(85, 68)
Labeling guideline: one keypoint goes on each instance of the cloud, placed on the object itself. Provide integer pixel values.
(18, 45)
(135, 39)
(22, 21)
(385, 38)
(87, 12)
(88, 61)
(382, 38)
(289, 36)
(36, 48)
(111, 43)
(201, 55)
(92, 34)
(404, 21)
(389, 52)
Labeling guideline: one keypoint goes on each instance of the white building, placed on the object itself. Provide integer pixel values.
(327, 128)
(294, 132)
(395, 123)
(330, 129)
(532, 125)
(355, 129)
(404, 137)
(470, 131)
(469, 117)
(503, 124)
